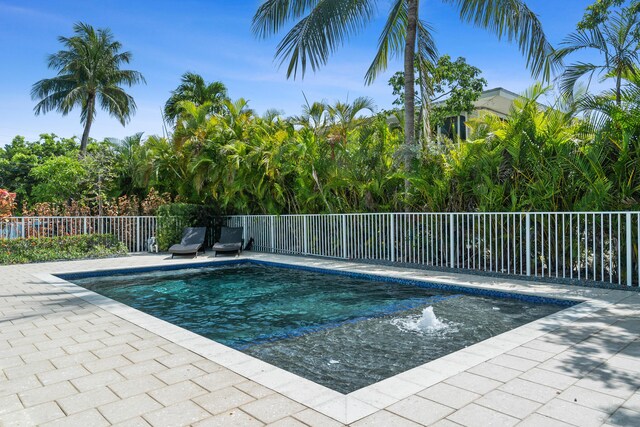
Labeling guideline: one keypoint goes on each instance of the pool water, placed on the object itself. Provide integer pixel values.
(342, 332)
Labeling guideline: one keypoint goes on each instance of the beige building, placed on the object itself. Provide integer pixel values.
(497, 101)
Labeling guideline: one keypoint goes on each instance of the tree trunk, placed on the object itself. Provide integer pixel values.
(618, 89)
(409, 87)
(91, 104)
(425, 111)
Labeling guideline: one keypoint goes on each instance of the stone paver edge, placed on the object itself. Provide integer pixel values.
(363, 402)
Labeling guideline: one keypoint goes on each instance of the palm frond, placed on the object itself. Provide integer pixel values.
(573, 73)
(362, 103)
(273, 14)
(193, 88)
(127, 77)
(427, 48)
(326, 27)
(391, 41)
(513, 20)
(582, 39)
(118, 103)
(598, 110)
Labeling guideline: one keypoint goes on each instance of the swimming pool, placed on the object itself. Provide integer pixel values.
(344, 332)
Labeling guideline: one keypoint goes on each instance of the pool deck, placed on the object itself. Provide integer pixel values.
(71, 357)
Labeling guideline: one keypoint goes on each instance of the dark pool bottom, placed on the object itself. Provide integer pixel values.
(342, 332)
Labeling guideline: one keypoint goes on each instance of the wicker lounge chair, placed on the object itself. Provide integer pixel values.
(230, 241)
(192, 242)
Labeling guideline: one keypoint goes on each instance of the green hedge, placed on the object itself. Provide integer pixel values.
(38, 249)
(174, 217)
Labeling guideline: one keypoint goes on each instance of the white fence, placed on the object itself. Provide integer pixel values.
(133, 231)
(583, 246)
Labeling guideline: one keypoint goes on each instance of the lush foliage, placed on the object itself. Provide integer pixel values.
(172, 218)
(615, 36)
(580, 153)
(453, 87)
(49, 178)
(40, 249)
(89, 74)
(193, 88)
(599, 12)
(537, 159)
(320, 28)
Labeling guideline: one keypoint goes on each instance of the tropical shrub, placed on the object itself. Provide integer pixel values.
(59, 179)
(173, 218)
(535, 159)
(121, 206)
(40, 249)
(7, 203)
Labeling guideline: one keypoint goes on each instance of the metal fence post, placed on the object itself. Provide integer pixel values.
(305, 243)
(22, 232)
(452, 238)
(528, 241)
(244, 228)
(392, 237)
(138, 242)
(344, 236)
(272, 235)
(84, 225)
(629, 251)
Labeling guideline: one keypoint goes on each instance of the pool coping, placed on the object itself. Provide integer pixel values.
(365, 401)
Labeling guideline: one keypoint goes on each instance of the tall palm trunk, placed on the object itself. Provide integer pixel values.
(409, 86)
(91, 105)
(619, 89)
(425, 111)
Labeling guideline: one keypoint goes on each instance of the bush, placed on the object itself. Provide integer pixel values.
(174, 217)
(39, 249)
(7, 203)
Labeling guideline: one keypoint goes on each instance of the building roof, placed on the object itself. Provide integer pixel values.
(497, 100)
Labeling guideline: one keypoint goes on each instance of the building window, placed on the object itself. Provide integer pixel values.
(449, 127)
(454, 126)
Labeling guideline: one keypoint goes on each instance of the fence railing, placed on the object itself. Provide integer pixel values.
(583, 246)
(133, 231)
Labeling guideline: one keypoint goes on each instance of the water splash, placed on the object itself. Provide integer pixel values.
(427, 322)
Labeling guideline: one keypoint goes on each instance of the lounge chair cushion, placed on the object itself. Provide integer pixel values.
(230, 240)
(227, 247)
(185, 249)
(192, 241)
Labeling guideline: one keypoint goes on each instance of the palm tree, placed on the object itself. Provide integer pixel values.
(323, 26)
(343, 115)
(88, 72)
(616, 38)
(345, 112)
(131, 164)
(194, 89)
(314, 116)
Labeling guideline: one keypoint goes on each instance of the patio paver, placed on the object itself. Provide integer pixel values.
(66, 361)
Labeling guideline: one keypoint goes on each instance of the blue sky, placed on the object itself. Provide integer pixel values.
(213, 38)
